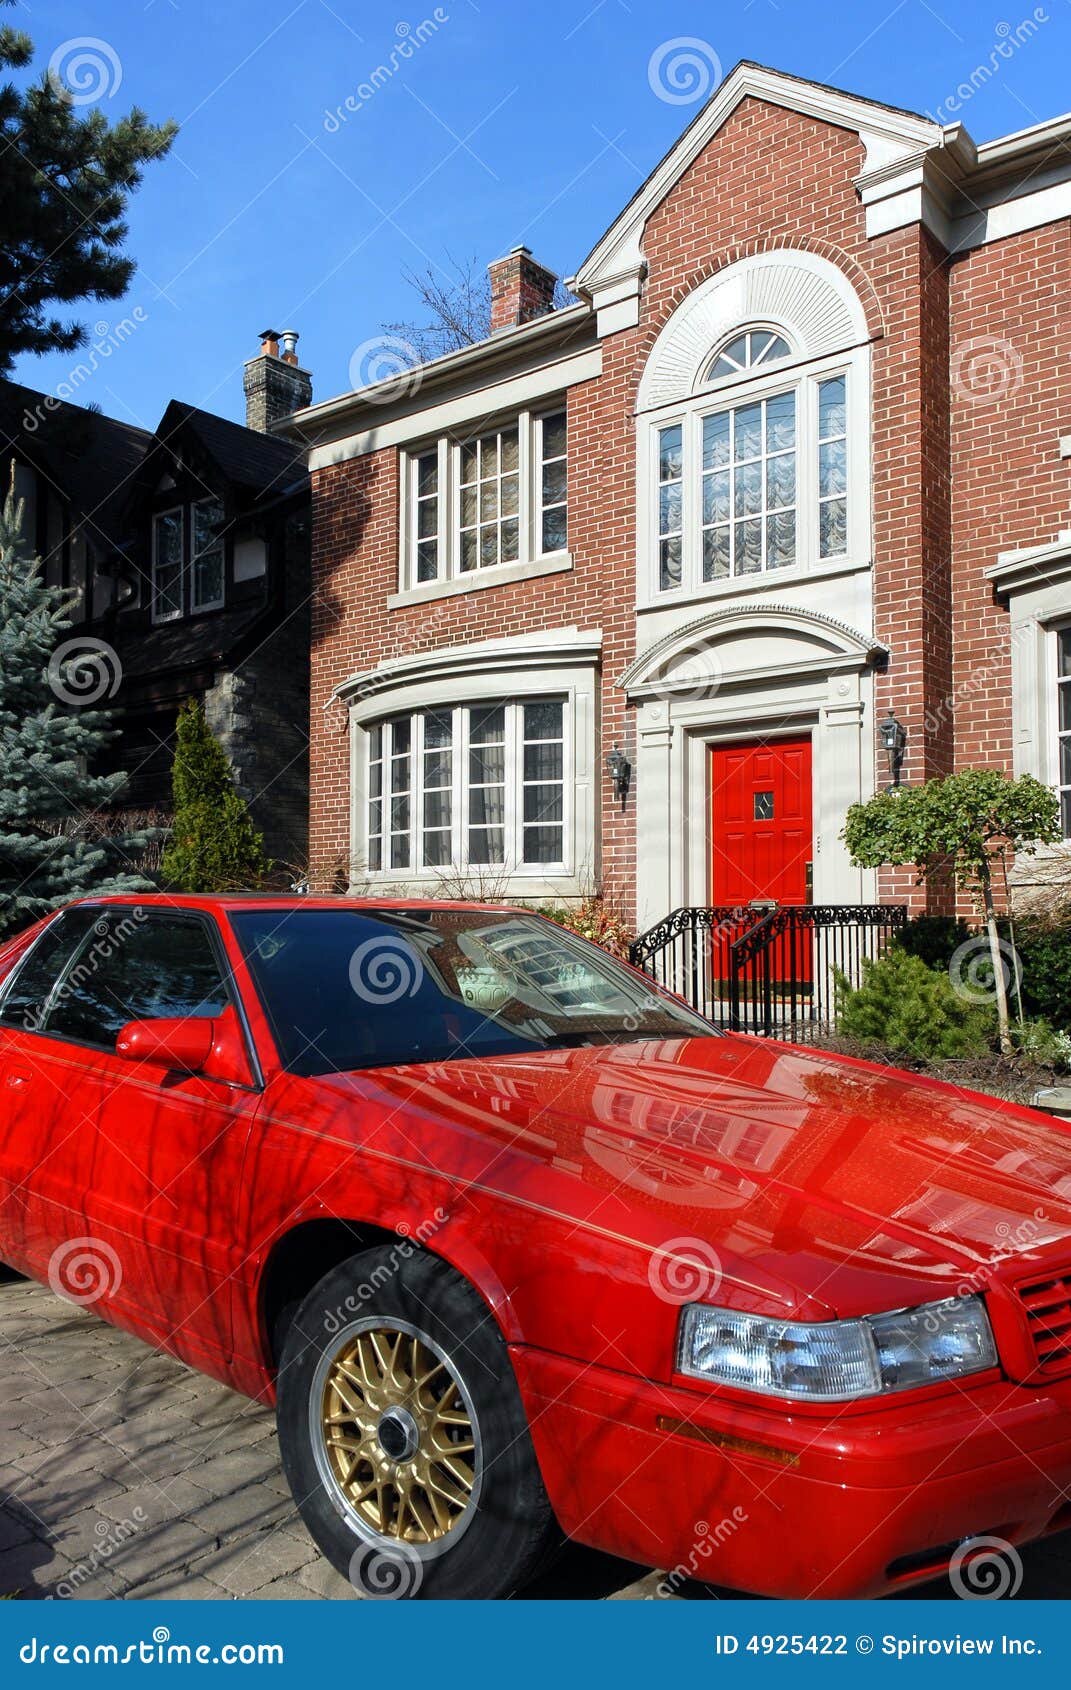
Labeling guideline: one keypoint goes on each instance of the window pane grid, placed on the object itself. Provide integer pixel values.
(427, 516)
(207, 560)
(479, 785)
(399, 797)
(670, 506)
(749, 488)
(490, 500)
(167, 565)
(554, 480)
(832, 469)
(543, 783)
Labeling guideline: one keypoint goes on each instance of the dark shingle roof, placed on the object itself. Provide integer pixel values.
(261, 462)
(92, 459)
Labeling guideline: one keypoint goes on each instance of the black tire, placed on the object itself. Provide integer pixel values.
(507, 1529)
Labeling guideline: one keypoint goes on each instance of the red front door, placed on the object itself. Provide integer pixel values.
(760, 822)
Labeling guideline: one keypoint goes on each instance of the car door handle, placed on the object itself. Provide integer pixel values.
(17, 1078)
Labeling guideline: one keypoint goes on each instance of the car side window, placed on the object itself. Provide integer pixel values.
(26, 997)
(143, 966)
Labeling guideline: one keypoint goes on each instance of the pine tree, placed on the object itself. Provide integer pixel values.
(214, 846)
(64, 183)
(50, 849)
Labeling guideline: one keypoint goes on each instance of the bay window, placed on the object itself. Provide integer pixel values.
(761, 471)
(493, 500)
(479, 785)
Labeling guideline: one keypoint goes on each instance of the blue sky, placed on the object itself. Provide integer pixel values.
(508, 122)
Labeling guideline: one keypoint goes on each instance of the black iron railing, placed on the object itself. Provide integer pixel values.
(766, 968)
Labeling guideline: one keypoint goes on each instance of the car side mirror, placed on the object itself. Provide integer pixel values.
(185, 1044)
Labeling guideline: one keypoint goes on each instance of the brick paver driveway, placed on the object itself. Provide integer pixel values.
(122, 1473)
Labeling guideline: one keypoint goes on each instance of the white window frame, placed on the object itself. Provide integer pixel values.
(529, 424)
(197, 606)
(803, 376)
(458, 863)
(1059, 685)
(157, 516)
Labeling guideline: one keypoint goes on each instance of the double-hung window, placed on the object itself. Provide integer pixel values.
(189, 569)
(754, 475)
(495, 499)
(474, 786)
(167, 565)
(206, 555)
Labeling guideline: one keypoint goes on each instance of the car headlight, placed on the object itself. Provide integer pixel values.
(834, 1360)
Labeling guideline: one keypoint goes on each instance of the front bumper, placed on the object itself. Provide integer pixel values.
(794, 1505)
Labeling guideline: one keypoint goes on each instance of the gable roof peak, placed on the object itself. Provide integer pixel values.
(889, 135)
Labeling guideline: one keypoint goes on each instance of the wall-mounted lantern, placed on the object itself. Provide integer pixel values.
(893, 741)
(619, 770)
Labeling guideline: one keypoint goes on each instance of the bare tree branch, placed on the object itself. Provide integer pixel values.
(456, 309)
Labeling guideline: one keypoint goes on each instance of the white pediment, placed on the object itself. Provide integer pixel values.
(742, 644)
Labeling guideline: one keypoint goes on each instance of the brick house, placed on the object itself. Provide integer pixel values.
(185, 551)
(796, 460)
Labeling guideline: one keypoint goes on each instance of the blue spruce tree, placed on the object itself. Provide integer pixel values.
(51, 847)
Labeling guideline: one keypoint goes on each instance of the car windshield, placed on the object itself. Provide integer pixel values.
(347, 989)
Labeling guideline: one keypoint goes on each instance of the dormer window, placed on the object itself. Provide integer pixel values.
(748, 351)
(188, 560)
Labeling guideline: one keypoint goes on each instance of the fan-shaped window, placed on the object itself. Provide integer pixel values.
(751, 350)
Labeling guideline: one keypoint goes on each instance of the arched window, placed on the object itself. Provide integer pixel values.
(756, 449)
(747, 351)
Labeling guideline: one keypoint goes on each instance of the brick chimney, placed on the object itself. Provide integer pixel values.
(275, 384)
(520, 289)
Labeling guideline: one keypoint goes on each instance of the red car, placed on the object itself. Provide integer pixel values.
(520, 1247)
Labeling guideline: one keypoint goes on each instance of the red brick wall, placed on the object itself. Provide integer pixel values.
(989, 476)
(1010, 487)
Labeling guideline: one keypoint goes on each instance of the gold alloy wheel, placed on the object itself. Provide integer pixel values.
(398, 1435)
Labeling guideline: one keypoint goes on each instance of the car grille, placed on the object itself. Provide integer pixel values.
(1048, 1311)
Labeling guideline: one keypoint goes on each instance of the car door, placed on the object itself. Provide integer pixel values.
(48, 1108)
(162, 1197)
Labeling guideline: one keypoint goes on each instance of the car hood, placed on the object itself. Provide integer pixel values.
(814, 1177)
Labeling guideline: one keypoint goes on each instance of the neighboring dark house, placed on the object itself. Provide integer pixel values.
(187, 552)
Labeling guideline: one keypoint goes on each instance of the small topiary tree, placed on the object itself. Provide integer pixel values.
(910, 1010)
(214, 846)
(972, 822)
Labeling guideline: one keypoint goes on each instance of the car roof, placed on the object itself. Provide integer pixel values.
(285, 900)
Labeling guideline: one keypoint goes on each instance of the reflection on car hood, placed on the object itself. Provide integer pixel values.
(827, 1172)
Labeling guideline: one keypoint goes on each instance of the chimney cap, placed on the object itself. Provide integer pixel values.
(269, 334)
